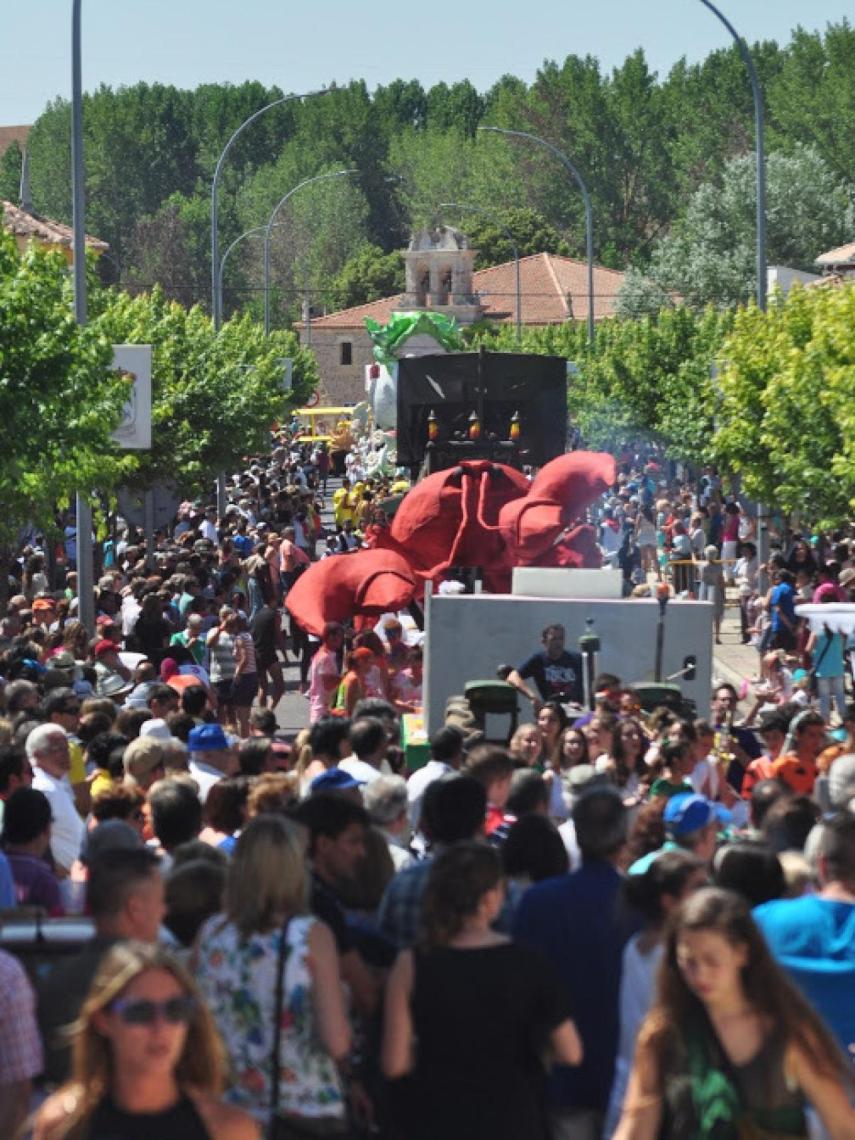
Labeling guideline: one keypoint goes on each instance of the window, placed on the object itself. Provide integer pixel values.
(345, 352)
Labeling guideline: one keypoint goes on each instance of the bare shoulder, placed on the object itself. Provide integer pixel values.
(224, 1121)
(54, 1115)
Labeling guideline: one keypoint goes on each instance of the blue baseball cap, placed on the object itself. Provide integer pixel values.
(334, 780)
(688, 813)
(207, 738)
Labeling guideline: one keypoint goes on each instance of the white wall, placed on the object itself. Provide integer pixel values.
(469, 636)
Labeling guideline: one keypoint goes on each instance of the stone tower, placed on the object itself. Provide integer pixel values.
(439, 267)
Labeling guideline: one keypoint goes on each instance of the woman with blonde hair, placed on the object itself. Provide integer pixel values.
(147, 1061)
(269, 971)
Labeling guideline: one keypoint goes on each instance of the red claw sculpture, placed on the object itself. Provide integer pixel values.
(480, 514)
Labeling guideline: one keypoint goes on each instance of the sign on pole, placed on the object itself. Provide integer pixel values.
(133, 362)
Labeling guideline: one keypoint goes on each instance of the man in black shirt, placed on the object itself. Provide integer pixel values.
(337, 829)
(556, 671)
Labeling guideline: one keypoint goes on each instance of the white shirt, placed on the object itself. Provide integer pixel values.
(68, 830)
(417, 786)
(363, 771)
(209, 531)
(205, 776)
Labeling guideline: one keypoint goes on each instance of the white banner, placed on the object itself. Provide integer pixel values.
(133, 361)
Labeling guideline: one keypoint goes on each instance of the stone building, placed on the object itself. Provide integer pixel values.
(440, 276)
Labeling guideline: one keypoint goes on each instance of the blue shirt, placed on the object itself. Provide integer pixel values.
(578, 922)
(783, 596)
(814, 940)
(8, 898)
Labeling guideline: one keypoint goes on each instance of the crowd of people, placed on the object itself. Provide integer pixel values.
(623, 924)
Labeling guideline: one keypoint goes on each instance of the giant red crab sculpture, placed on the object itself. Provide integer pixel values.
(480, 514)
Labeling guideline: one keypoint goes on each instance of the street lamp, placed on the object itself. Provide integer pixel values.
(586, 197)
(216, 299)
(269, 227)
(760, 175)
(489, 214)
(759, 142)
(85, 568)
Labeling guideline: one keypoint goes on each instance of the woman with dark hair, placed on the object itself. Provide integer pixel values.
(147, 1060)
(534, 850)
(481, 1008)
(731, 1048)
(626, 763)
(654, 895)
(552, 722)
(751, 869)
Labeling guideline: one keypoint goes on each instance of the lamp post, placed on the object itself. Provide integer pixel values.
(586, 197)
(514, 247)
(760, 177)
(269, 227)
(216, 276)
(85, 569)
(216, 298)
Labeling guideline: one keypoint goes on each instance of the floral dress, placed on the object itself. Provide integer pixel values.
(237, 976)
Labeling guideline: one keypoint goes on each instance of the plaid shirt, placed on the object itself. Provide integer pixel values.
(20, 1044)
(400, 911)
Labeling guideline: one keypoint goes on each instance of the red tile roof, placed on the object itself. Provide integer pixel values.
(8, 135)
(843, 255)
(553, 290)
(21, 224)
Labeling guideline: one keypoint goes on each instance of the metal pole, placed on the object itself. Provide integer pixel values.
(216, 298)
(514, 247)
(216, 276)
(269, 227)
(85, 569)
(586, 198)
(761, 283)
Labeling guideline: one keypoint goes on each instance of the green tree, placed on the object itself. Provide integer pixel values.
(214, 396)
(812, 98)
(489, 234)
(10, 172)
(59, 401)
(709, 256)
(787, 393)
(367, 276)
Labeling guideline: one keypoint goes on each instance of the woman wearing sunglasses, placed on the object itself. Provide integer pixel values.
(147, 1061)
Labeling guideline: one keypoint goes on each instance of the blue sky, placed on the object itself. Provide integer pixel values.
(301, 46)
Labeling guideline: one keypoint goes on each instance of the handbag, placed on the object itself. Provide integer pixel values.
(289, 1127)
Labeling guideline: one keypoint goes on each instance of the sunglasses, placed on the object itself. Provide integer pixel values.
(175, 1011)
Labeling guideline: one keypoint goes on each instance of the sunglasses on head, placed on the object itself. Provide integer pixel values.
(175, 1011)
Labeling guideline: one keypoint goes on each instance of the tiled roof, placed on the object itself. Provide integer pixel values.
(8, 135)
(553, 290)
(843, 255)
(830, 281)
(21, 224)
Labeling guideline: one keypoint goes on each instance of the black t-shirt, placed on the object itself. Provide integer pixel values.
(326, 906)
(264, 633)
(181, 1122)
(482, 1018)
(556, 680)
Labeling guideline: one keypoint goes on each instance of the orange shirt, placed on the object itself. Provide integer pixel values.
(800, 775)
(830, 754)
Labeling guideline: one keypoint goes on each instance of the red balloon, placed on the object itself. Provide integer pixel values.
(345, 585)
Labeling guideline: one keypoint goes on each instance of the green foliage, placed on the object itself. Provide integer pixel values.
(786, 419)
(214, 397)
(10, 172)
(367, 276)
(490, 235)
(652, 151)
(58, 400)
(709, 256)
